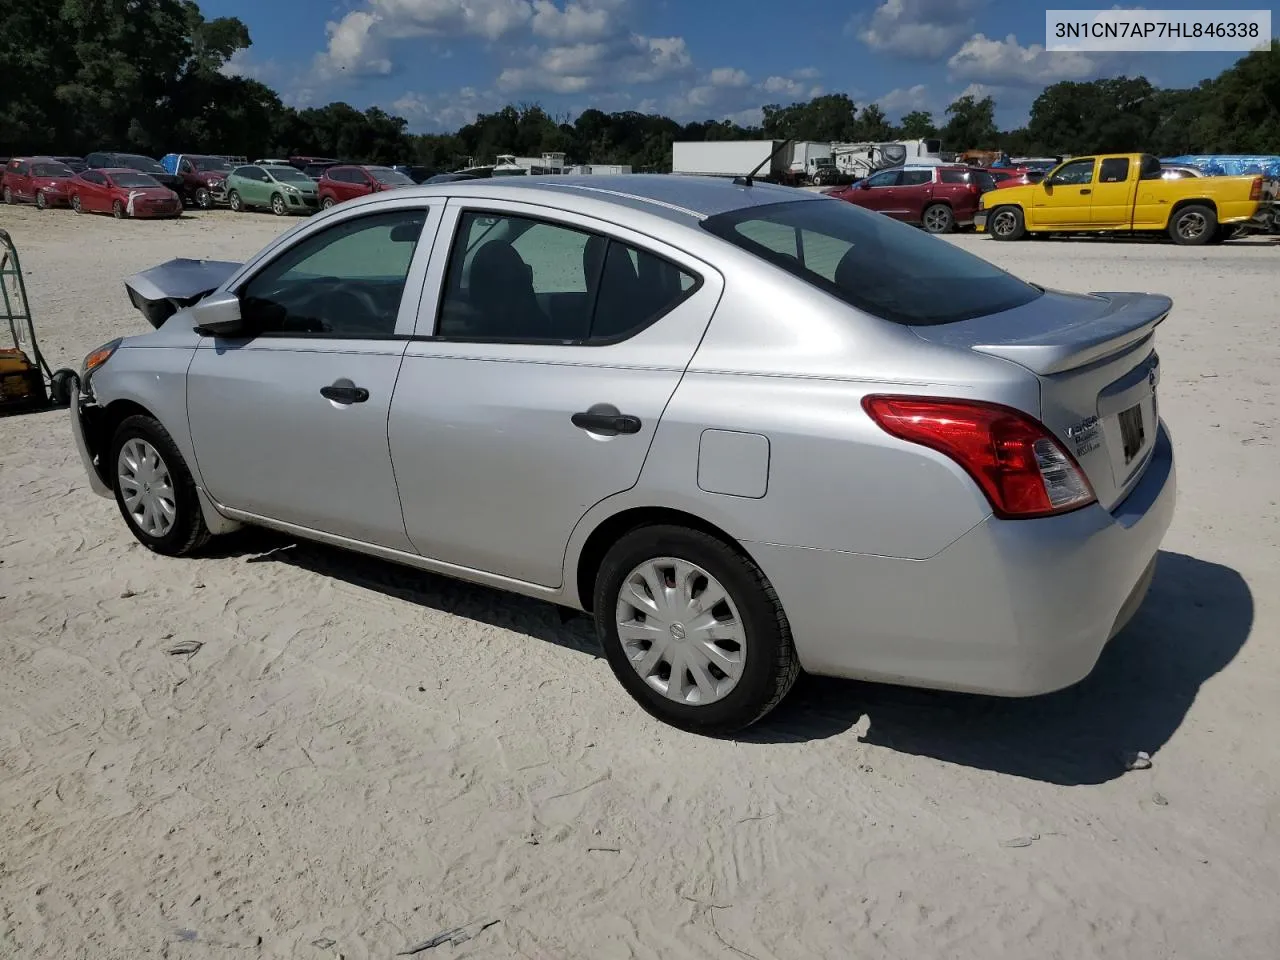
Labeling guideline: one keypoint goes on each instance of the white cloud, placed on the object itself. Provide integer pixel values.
(729, 77)
(751, 117)
(786, 86)
(986, 60)
(916, 29)
(807, 73)
(575, 22)
(445, 111)
(354, 47)
(242, 64)
(904, 100)
(579, 67)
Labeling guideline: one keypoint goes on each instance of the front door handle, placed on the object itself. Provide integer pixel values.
(605, 419)
(339, 393)
(1084, 191)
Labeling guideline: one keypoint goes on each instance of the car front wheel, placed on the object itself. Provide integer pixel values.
(327, 203)
(693, 629)
(1007, 223)
(204, 199)
(117, 210)
(277, 205)
(42, 202)
(154, 489)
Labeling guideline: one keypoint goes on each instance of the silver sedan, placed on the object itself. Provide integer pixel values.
(750, 430)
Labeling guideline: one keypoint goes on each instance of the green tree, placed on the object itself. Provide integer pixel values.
(873, 125)
(832, 117)
(971, 124)
(917, 125)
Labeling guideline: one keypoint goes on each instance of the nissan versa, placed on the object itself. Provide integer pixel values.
(750, 430)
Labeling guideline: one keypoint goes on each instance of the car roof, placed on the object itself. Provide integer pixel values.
(674, 197)
(136, 173)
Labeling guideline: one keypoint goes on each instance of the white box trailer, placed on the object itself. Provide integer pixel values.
(728, 158)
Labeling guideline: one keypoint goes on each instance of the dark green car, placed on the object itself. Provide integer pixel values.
(276, 187)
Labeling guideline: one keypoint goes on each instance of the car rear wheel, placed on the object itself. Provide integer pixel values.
(233, 198)
(1193, 225)
(60, 386)
(277, 205)
(204, 199)
(117, 209)
(75, 203)
(326, 203)
(42, 202)
(938, 218)
(1007, 223)
(693, 629)
(8, 195)
(154, 489)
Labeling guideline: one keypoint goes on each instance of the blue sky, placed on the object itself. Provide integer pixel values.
(439, 62)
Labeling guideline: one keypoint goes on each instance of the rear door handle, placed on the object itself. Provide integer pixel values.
(344, 394)
(609, 423)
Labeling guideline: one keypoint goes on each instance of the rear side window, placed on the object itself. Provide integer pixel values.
(513, 279)
(883, 267)
(955, 176)
(1114, 170)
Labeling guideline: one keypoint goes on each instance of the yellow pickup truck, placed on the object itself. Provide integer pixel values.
(1124, 193)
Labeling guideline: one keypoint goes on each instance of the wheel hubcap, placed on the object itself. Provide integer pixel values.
(1192, 226)
(146, 487)
(936, 219)
(681, 631)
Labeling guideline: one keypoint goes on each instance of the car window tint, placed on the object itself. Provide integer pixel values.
(1114, 170)
(515, 279)
(887, 178)
(345, 281)
(772, 236)
(1074, 173)
(876, 264)
(914, 178)
(955, 176)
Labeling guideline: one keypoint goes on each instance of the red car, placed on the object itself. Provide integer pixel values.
(123, 193)
(937, 198)
(1013, 177)
(347, 182)
(43, 181)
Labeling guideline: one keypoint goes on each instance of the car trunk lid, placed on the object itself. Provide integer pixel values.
(1095, 359)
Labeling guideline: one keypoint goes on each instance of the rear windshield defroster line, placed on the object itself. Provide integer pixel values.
(888, 269)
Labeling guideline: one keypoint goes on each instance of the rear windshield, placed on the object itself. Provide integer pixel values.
(885, 268)
(389, 176)
(134, 180)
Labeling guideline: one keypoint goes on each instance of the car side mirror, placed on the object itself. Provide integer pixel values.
(863, 185)
(219, 315)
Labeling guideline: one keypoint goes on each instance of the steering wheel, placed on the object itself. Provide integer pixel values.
(337, 306)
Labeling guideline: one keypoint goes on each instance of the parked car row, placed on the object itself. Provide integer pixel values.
(122, 190)
(940, 199)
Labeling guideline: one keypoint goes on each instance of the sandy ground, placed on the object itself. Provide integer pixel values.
(361, 756)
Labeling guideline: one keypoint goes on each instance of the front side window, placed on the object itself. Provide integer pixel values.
(523, 280)
(1075, 173)
(888, 178)
(346, 281)
(874, 263)
(389, 177)
(51, 170)
(916, 178)
(94, 178)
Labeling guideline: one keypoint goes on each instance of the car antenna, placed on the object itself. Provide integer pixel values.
(750, 177)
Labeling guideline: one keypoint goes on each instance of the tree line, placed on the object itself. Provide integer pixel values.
(147, 76)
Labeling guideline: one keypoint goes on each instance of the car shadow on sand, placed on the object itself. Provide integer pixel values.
(534, 618)
(1194, 621)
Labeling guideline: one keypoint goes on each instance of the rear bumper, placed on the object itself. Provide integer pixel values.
(1012, 608)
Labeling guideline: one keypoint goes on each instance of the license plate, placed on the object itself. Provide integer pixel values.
(1132, 433)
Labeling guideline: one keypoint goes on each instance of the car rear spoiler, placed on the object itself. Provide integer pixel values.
(163, 290)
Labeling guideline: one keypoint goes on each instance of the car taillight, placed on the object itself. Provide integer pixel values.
(1013, 458)
(1255, 192)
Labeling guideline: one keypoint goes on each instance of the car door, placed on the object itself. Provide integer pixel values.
(290, 422)
(521, 405)
(255, 192)
(879, 194)
(1065, 199)
(94, 194)
(911, 195)
(1112, 206)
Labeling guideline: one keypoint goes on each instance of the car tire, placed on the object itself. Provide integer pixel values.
(148, 472)
(118, 210)
(1007, 223)
(750, 618)
(1193, 226)
(42, 202)
(235, 202)
(75, 203)
(60, 384)
(278, 206)
(327, 203)
(938, 218)
(204, 199)
(8, 196)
